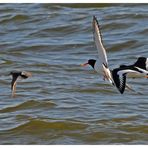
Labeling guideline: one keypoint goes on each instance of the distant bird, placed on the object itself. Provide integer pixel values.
(15, 75)
(116, 77)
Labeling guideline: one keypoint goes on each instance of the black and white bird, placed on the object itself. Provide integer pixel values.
(116, 77)
(119, 74)
(100, 65)
(15, 75)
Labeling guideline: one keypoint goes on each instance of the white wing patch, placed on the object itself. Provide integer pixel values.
(142, 70)
(121, 72)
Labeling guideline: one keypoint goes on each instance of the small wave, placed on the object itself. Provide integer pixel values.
(139, 16)
(87, 5)
(94, 90)
(18, 17)
(62, 29)
(2, 61)
(31, 104)
(126, 119)
(143, 129)
(143, 32)
(117, 25)
(56, 30)
(37, 126)
(124, 45)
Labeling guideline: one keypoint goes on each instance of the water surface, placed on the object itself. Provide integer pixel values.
(64, 103)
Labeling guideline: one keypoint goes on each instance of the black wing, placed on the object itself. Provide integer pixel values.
(13, 82)
(119, 80)
(15, 75)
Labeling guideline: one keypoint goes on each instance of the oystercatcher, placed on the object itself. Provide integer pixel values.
(119, 74)
(100, 65)
(116, 77)
(15, 75)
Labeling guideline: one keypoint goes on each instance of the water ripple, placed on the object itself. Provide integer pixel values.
(64, 103)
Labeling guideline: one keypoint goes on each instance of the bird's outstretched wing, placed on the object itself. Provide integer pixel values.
(99, 43)
(13, 83)
(119, 78)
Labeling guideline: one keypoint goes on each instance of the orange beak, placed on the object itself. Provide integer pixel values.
(146, 76)
(83, 65)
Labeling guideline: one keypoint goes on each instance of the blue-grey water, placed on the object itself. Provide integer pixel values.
(63, 103)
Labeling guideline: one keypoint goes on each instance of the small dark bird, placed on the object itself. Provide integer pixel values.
(15, 75)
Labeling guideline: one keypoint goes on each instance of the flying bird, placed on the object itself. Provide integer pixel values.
(116, 77)
(15, 75)
(119, 74)
(100, 65)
